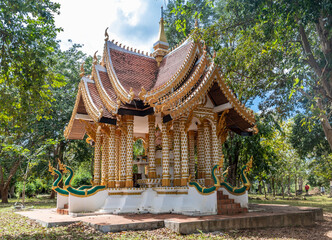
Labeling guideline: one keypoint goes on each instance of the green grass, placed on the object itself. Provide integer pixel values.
(323, 202)
(14, 226)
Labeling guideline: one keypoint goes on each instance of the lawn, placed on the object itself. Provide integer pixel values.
(14, 226)
(324, 202)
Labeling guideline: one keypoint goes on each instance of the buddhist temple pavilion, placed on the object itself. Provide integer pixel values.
(176, 101)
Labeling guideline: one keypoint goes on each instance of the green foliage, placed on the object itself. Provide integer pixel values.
(82, 175)
(28, 40)
(33, 187)
(180, 17)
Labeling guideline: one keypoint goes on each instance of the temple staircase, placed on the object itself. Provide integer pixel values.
(226, 206)
(63, 211)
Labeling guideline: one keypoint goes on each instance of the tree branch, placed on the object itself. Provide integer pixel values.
(307, 49)
(12, 173)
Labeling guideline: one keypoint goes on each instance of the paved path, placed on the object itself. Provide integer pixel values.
(260, 216)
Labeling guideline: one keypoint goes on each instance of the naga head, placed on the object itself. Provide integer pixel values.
(221, 162)
(62, 166)
(249, 164)
(50, 168)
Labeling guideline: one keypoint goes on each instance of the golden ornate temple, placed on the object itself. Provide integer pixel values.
(178, 103)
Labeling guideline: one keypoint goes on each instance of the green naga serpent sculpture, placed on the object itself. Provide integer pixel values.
(83, 191)
(223, 183)
(55, 185)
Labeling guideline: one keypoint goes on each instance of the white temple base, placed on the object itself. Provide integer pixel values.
(61, 201)
(87, 204)
(180, 200)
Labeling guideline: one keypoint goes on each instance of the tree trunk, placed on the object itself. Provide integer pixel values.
(259, 187)
(325, 123)
(300, 184)
(5, 184)
(273, 187)
(4, 195)
(52, 195)
(264, 189)
(282, 189)
(289, 186)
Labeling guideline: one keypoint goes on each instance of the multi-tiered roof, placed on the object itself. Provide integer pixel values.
(172, 82)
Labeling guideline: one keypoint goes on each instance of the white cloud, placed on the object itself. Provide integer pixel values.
(131, 22)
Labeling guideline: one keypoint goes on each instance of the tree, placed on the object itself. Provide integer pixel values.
(274, 51)
(27, 41)
(308, 138)
(180, 17)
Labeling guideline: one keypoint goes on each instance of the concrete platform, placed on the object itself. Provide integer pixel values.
(260, 216)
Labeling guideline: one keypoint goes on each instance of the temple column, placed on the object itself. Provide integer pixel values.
(123, 153)
(207, 153)
(130, 143)
(165, 156)
(112, 157)
(117, 158)
(192, 153)
(152, 146)
(96, 170)
(105, 159)
(184, 153)
(200, 152)
(215, 146)
(177, 153)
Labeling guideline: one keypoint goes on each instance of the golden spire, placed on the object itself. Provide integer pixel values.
(162, 35)
(161, 46)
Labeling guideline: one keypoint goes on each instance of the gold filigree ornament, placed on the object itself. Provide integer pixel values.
(106, 35)
(82, 70)
(131, 94)
(142, 93)
(95, 59)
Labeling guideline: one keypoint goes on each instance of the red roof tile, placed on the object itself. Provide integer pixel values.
(134, 70)
(96, 99)
(107, 85)
(171, 64)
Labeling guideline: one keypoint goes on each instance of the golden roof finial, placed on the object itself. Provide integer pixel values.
(82, 70)
(95, 58)
(162, 35)
(106, 35)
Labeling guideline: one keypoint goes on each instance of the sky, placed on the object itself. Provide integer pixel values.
(134, 23)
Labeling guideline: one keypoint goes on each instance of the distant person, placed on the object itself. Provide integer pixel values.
(322, 190)
(306, 188)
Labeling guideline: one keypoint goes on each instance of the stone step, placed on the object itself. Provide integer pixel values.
(224, 201)
(229, 206)
(220, 195)
(62, 211)
(230, 211)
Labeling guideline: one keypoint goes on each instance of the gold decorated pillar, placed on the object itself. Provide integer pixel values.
(184, 153)
(207, 153)
(192, 153)
(96, 171)
(130, 143)
(200, 152)
(112, 157)
(117, 158)
(177, 153)
(105, 159)
(215, 150)
(152, 146)
(123, 153)
(165, 156)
